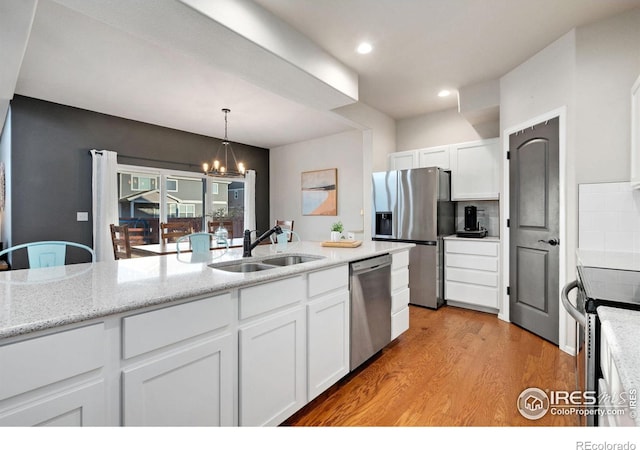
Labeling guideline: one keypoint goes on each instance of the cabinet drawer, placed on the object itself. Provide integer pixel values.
(148, 331)
(489, 279)
(472, 247)
(328, 280)
(400, 300)
(38, 362)
(399, 279)
(399, 260)
(399, 322)
(488, 263)
(469, 293)
(270, 296)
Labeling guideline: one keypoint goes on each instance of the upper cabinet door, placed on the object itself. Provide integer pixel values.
(403, 160)
(635, 134)
(434, 157)
(475, 170)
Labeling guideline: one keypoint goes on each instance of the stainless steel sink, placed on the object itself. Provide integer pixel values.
(264, 264)
(242, 267)
(290, 259)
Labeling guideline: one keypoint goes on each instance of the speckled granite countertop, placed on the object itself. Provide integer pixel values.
(621, 328)
(38, 299)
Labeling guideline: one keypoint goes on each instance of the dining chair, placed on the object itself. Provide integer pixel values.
(286, 225)
(171, 231)
(48, 253)
(121, 241)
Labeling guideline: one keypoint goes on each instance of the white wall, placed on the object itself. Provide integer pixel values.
(343, 151)
(440, 128)
(590, 72)
(383, 131)
(544, 84)
(607, 64)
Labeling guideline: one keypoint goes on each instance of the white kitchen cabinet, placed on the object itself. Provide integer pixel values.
(403, 160)
(434, 157)
(189, 386)
(179, 365)
(635, 134)
(55, 379)
(475, 170)
(327, 329)
(472, 274)
(272, 378)
(82, 405)
(399, 293)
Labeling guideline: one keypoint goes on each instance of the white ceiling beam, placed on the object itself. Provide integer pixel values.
(16, 18)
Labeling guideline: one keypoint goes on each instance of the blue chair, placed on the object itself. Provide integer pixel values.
(48, 253)
(200, 246)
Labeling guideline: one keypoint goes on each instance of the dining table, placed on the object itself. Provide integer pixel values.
(168, 248)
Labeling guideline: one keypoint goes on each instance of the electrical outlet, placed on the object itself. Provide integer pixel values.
(82, 216)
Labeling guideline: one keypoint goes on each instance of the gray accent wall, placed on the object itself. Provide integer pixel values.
(51, 165)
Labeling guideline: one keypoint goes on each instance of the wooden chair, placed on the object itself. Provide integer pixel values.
(121, 241)
(286, 225)
(173, 230)
(228, 224)
(137, 236)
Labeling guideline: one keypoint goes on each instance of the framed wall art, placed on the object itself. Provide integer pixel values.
(320, 193)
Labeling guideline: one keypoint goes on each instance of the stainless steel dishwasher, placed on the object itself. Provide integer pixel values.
(370, 285)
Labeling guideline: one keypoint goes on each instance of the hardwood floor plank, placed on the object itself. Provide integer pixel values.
(453, 367)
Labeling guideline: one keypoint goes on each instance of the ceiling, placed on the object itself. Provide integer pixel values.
(168, 63)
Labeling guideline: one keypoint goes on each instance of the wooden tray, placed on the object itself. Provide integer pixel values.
(342, 243)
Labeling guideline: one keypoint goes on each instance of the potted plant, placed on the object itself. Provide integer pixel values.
(336, 231)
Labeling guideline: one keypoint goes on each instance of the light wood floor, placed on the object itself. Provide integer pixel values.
(453, 367)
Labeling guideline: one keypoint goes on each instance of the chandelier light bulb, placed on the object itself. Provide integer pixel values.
(205, 167)
(216, 164)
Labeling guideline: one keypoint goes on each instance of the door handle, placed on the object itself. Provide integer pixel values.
(552, 242)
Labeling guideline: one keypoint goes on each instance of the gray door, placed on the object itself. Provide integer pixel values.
(534, 229)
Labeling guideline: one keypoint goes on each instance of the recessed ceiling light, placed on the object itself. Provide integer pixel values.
(444, 93)
(364, 48)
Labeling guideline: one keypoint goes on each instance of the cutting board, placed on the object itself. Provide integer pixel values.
(342, 243)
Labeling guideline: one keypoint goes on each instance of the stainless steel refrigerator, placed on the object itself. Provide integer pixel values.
(415, 206)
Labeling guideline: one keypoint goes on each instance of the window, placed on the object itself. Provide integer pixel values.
(143, 183)
(148, 196)
(172, 185)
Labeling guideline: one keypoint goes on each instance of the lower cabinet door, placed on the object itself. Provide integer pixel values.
(328, 345)
(188, 387)
(83, 405)
(272, 382)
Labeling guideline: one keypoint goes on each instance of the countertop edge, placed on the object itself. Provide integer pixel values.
(195, 292)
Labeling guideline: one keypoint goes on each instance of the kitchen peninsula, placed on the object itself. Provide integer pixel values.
(168, 340)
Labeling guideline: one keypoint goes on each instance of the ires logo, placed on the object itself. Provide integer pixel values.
(534, 403)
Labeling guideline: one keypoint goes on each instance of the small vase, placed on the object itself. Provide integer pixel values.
(335, 236)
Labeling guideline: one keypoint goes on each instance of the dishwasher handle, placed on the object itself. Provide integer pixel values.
(572, 310)
(368, 265)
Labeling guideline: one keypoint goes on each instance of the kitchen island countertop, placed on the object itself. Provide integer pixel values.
(38, 299)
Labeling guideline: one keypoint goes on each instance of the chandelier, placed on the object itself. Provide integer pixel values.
(221, 168)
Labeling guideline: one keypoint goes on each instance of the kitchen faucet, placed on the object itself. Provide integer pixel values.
(247, 245)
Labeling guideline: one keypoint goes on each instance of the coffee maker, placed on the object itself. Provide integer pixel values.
(472, 228)
(470, 218)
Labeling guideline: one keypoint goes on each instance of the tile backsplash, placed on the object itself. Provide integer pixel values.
(609, 217)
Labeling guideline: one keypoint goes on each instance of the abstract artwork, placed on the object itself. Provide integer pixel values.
(320, 193)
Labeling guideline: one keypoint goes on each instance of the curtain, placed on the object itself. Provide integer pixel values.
(250, 201)
(104, 189)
